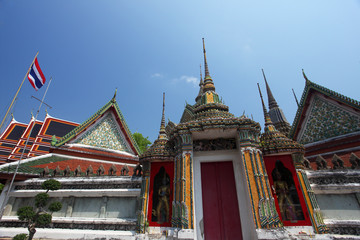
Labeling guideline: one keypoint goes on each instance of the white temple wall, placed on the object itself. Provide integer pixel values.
(92, 198)
(89, 207)
(339, 206)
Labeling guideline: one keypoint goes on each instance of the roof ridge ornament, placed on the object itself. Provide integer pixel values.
(305, 77)
(114, 97)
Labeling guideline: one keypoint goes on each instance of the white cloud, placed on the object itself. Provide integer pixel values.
(188, 79)
(157, 75)
(247, 48)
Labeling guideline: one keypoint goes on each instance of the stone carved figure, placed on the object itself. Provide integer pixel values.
(337, 162)
(124, 170)
(355, 161)
(89, 171)
(112, 170)
(56, 171)
(100, 171)
(77, 171)
(67, 172)
(306, 163)
(285, 190)
(137, 170)
(161, 197)
(45, 172)
(321, 163)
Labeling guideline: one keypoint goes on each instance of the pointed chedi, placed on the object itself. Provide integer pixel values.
(159, 149)
(201, 85)
(275, 112)
(208, 103)
(162, 132)
(273, 141)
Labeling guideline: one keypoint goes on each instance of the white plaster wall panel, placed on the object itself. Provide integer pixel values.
(18, 203)
(87, 207)
(65, 203)
(339, 206)
(121, 207)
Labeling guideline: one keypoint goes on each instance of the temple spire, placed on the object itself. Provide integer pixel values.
(162, 132)
(266, 114)
(271, 99)
(201, 85)
(208, 82)
(276, 114)
(207, 74)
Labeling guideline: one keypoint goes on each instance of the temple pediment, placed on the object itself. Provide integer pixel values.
(106, 130)
(323, 114)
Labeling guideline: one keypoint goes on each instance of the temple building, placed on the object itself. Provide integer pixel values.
(328, 124)
(9, 139)
(97, 164)
(213, 175)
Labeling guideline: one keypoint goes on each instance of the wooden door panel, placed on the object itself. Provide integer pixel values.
(220, 204)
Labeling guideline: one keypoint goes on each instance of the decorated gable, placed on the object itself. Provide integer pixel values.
(105, 130)
(105, 133)
(328, 119)
(324, 114)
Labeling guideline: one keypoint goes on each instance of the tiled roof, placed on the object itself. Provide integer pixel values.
(9, 139)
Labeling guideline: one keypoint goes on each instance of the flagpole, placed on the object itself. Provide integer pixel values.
(22, 154)
(17, 92)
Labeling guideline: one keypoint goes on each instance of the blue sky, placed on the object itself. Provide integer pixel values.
(144, 48)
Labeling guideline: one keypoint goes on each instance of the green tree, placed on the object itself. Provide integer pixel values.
(39, 217)
(141, 141)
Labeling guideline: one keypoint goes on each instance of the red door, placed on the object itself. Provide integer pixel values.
(220, 203)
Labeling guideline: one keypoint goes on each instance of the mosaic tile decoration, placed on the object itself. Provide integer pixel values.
(327, 120)
(105, 134)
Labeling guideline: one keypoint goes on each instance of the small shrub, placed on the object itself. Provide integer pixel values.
(44, 219)
(39, 217)
(41, 199)
(51, 185)
(55, 206)
(21, 236)
(25, 213)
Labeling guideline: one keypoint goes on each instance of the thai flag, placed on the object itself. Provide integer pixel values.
(36, 76)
